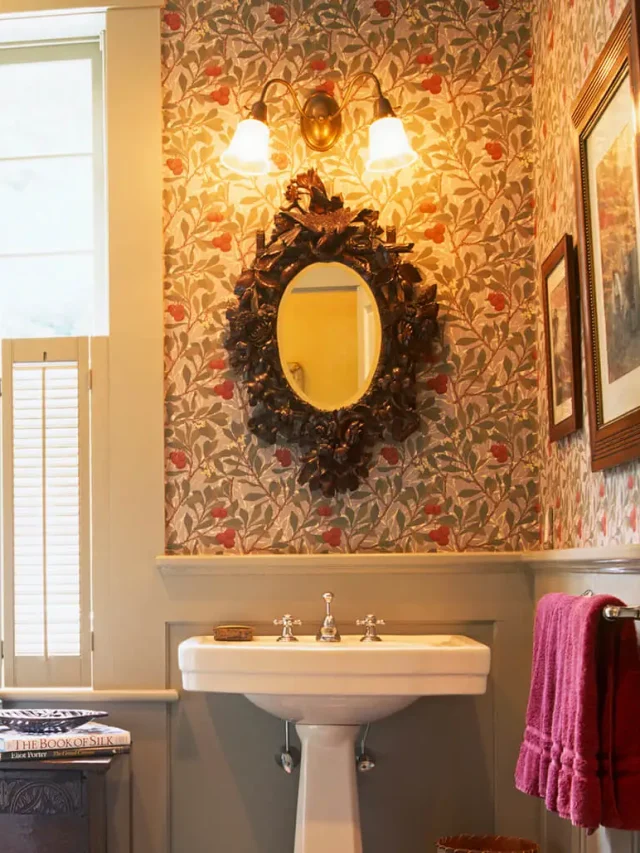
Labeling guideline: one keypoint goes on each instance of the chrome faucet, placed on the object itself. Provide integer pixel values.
(328, 631)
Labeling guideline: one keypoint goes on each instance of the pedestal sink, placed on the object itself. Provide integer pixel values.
(329, 690)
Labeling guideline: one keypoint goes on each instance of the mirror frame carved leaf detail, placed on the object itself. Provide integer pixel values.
(313, 227)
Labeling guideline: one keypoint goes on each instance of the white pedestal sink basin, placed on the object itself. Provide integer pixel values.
(329, 690)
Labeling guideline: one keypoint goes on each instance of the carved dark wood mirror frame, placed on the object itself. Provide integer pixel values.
(315, 228)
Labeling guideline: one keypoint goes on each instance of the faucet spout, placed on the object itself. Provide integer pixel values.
(328, 631)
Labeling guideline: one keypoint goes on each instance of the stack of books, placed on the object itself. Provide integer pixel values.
(87, 741)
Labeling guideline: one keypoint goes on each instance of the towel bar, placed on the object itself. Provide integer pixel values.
(612, 612)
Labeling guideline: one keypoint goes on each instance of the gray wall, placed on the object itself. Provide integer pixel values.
(435, 773)
(444, 765)
(138, 784)
(203, 774)
(557, 835)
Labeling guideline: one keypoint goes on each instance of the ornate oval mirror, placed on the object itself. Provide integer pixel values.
(329, 325)
(328, 333)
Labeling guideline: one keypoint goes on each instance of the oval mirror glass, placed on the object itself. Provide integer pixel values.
(329, 335)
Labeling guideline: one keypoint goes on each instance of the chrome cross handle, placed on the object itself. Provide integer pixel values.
(287, 623)
(370, 623)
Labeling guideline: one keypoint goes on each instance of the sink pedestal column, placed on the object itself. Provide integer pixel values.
(328, 815)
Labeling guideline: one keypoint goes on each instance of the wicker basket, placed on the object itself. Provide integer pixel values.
(485, 844)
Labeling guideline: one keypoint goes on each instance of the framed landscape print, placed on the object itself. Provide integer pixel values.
(562, 339)
(609, 221)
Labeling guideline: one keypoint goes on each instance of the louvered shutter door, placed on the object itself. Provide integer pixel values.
(46, 509)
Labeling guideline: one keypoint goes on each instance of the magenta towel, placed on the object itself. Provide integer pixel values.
(581, 746)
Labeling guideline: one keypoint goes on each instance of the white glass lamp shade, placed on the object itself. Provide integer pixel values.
(248, 151)
(389, 148)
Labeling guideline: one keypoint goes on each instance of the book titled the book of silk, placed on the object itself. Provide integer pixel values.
(91, 735)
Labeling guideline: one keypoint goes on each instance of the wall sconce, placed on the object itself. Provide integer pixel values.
(321, 127)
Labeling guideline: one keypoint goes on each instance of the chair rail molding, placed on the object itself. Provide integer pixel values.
(378, 563)
(613, 559)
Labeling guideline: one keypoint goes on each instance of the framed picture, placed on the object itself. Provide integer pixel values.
(609, 230)
(560, 299)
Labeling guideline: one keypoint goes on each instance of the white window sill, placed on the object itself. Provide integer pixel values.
(85, 694)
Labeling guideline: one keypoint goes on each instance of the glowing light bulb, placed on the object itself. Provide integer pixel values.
(389, 148)
(248, 151)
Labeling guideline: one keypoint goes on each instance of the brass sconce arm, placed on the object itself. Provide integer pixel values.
(383, 106)
(259, 109)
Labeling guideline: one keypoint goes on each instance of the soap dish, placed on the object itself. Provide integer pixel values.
(233, 633)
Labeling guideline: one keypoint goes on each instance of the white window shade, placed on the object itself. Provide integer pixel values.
(46, 511)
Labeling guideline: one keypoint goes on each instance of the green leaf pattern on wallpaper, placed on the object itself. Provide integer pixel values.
(590, 509)
(459, 73)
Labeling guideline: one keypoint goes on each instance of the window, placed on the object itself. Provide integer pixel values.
(52, 279)
(46, 510)
(53, 302)
(123, 327)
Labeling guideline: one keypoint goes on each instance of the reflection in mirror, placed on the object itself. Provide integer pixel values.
(329, 335)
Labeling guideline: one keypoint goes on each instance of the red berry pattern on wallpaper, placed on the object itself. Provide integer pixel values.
(459, 72)
(591, 509)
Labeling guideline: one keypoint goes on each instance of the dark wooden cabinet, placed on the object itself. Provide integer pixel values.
(54, 806)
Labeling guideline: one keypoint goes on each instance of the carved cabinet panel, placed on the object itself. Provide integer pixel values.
(41, 794)
(53, 807)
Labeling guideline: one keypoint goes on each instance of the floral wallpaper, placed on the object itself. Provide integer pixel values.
(589, 508)
(459, 72)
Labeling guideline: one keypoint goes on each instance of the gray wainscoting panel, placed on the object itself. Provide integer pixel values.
(558, 836)
(138, 795)
(436, 770)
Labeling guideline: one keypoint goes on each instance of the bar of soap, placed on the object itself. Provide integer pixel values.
(233, 633)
